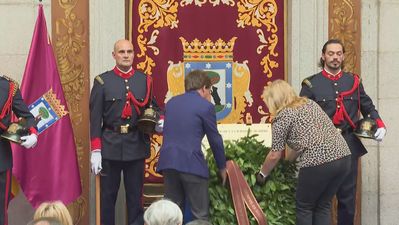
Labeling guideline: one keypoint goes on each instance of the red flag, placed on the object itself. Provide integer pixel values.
(49, 171)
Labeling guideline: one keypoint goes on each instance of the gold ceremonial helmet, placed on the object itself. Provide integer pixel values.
(148, 120)
(15, 131)
(366, 128)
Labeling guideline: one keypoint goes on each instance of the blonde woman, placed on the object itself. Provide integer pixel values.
(324, 155)
(55, 210)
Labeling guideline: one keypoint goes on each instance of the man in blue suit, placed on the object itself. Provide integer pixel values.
(188, 118)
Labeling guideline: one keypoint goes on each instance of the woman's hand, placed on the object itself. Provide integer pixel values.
(261, 178)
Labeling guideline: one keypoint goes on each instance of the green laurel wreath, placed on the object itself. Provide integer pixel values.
(276, 198)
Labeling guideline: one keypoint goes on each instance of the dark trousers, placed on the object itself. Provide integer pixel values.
(181, 186)
(133, 178)
(346, 195)
(5, 192)
(316, 187)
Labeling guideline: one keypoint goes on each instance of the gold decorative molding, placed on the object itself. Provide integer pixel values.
(202, 2)
(271, 43)
(152, 161)
(69, 44)
(156, 13)
(257, 13)
(70, 23)
(344, 24)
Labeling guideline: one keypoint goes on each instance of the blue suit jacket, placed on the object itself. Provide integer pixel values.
(188, 118)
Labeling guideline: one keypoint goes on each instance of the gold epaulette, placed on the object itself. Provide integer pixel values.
(307, 82)
(16, 84)
(99, 80)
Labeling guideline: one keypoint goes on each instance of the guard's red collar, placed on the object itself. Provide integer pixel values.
(122, 74)
(331, 76)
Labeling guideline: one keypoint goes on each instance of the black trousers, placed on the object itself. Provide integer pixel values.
(316, 187)
(133, 178)
(5, 193)
(183, 186)
(346, 195)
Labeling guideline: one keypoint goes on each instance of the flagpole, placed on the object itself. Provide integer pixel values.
(98, 211)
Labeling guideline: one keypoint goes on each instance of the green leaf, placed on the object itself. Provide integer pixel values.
(276, 198)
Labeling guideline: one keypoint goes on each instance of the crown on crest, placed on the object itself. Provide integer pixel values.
(208, 50)
(55, 103)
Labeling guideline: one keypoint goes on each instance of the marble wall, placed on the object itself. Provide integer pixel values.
(307, 31)
(386, 82)
(107, 25)
(17, 22)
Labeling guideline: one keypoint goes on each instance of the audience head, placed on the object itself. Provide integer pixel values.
(45, 221)
(163, 212)
(199, 222)
(55, 210)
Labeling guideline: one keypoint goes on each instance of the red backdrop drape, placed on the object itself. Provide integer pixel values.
(240, 44)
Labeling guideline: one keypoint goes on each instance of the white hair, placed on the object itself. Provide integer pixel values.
(163, 212)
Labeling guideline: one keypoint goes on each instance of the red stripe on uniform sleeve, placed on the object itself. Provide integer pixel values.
(95, 143)
(380, 123)
(33, 130)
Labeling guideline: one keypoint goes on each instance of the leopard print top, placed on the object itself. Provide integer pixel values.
(309, 130)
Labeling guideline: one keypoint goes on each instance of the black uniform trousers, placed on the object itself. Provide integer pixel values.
(183, 187)
(5, 193)
(346, 195)
(316, 187)
(133, 178)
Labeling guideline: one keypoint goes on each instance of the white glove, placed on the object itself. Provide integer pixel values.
(159, 126)
(29, 141)
(95, 161)
(380, 134)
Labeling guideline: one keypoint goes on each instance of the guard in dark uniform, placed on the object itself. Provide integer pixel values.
(11, 101)
(118, 98)
(341, 95)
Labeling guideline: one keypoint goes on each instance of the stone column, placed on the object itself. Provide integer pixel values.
(387, 101)
(307, 32)
(369, 67)
(107, 25)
